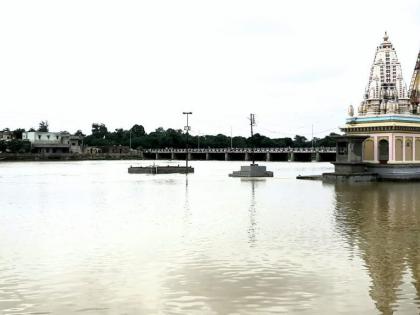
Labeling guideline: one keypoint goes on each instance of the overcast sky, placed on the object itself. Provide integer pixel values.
(293, 63)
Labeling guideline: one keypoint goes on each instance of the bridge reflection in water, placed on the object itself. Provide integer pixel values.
(323, 154)
(381, 222)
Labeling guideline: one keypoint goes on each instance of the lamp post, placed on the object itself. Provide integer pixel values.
(187, 128)
(252, 124)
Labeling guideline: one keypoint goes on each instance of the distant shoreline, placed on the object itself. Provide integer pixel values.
(31, 157)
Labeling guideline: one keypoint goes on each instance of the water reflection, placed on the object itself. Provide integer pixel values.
(382, 221)
(203, 244)
(252, 229)
(220, 287)
(187, 208)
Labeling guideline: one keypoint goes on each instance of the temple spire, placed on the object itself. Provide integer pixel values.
(386, 92)
(414, 91)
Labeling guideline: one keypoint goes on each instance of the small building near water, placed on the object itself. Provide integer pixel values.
(53, 142)
(383, 138)
(6, 135)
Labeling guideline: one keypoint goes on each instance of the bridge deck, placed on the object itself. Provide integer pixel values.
(245, 154)
(244, 150)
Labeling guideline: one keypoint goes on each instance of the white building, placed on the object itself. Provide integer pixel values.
(53, 142)
(6, 135)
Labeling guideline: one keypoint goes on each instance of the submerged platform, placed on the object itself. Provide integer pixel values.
(253, 170)
(350, 177)
(158, 169)
(371, 172)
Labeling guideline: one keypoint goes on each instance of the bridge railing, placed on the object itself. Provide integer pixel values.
(244, 150)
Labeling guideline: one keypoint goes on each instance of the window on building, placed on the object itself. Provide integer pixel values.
(342, 148)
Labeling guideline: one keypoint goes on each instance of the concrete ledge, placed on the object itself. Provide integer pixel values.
(396, 172)
(309, 177)
(350, 177)
(155, 169)
(253, 170)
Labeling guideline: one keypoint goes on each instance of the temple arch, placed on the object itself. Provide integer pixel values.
(383, 150)
(368, 150)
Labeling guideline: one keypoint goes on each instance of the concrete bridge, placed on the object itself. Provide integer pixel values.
(322, 154)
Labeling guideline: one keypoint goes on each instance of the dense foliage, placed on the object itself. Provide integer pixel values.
(174, 138)
(15, 146)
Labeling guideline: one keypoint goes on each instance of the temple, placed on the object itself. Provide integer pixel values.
(415, 84)
(383, 138)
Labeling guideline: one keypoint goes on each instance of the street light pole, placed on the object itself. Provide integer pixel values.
(231, 140)
(252, 123)
(312, 136)
(187, 129)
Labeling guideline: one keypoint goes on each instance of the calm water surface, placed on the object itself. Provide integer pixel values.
(88, 238)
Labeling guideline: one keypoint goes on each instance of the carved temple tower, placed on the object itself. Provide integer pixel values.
(389, 115)
(415, 84)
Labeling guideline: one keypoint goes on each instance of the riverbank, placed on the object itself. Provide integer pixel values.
(10, 157)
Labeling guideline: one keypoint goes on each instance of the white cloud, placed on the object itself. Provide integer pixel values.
(293, 63)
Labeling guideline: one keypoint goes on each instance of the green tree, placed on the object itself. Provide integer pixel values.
(137, 131)
(43, 126)
(99, 130)
(300, 141)
(79, 133)
(17, 133)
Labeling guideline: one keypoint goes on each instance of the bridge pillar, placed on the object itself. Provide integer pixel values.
(189, 156)
(227, 157)
(317, 157)
(172, 156)
(247, 156)
(157, 156)
(207, 156)
(291, 157)
(268, 156)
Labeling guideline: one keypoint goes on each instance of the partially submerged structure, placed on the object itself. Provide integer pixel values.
(168, 169)
(383, 140)
(156, 169)
(252, 170)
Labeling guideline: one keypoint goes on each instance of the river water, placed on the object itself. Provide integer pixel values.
(88, 238)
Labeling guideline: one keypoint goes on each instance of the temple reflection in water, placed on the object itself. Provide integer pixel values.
(382, 221)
